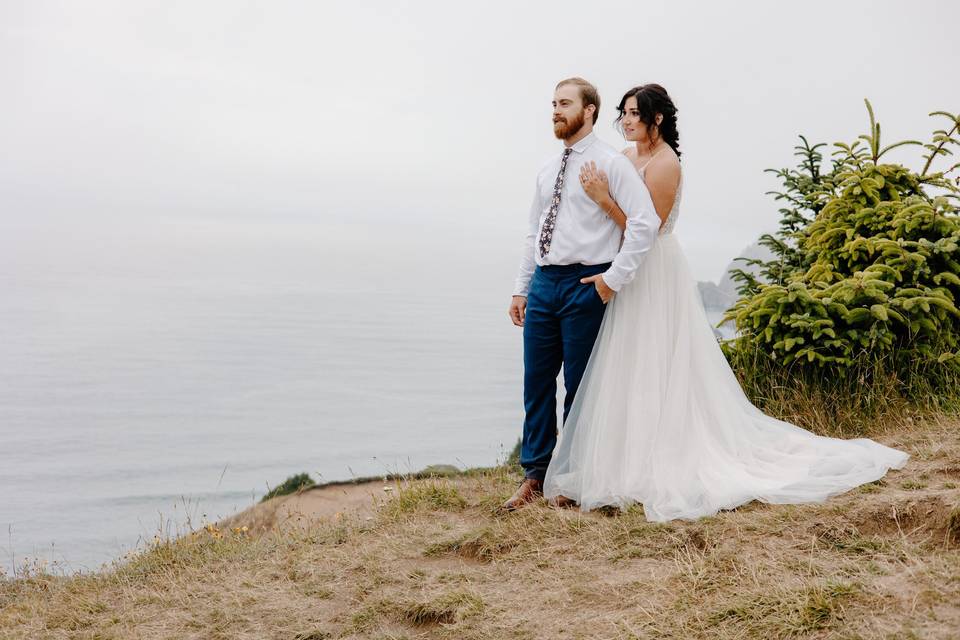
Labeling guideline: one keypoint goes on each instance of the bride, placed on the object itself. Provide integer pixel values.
(659, 417)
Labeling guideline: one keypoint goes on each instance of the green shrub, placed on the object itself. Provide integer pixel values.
(866, 275)
(290, 485)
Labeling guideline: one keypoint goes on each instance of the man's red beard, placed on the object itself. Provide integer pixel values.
(564, 130)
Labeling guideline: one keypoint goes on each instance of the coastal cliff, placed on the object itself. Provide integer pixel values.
(429, 558)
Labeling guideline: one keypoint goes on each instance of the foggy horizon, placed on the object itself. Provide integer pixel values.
(359, 123)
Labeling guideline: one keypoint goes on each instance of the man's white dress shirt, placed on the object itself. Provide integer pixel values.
(584, 234)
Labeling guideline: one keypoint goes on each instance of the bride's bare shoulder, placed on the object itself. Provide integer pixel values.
(630, 152)
(663, 171)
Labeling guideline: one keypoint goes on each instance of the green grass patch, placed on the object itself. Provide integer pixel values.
(429, 495)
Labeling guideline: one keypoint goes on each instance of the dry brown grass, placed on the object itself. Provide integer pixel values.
(434, 560)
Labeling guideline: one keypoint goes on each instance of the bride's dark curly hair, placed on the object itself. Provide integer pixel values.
(651, 100)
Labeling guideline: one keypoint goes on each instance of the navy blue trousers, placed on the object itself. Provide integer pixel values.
(562, 321)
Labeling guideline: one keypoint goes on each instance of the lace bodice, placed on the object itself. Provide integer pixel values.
(674, 211)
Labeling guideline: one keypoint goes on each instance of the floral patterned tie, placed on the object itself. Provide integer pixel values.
(546, 234)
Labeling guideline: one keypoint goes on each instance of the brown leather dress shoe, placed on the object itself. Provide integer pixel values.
(562, 502)
(529, 490)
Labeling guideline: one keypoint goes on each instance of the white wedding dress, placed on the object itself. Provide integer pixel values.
(660, 418)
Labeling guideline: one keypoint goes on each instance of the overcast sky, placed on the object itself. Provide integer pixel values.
(427, 121)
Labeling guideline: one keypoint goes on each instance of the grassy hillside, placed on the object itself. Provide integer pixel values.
(430, 559)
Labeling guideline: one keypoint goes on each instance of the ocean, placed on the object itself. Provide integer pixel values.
(164, 376)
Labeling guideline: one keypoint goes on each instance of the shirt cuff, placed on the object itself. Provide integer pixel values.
(612, 280)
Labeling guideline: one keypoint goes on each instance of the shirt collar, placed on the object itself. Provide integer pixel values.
(582, 144)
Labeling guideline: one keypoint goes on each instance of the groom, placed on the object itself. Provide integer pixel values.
(572, 264)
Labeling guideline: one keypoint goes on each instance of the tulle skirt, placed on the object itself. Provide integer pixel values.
(660, 418)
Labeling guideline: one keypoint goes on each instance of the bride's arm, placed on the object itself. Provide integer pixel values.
(596, 186)
(661, 178)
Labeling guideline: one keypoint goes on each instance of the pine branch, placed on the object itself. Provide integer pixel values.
(898, 144)
(945, 138)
